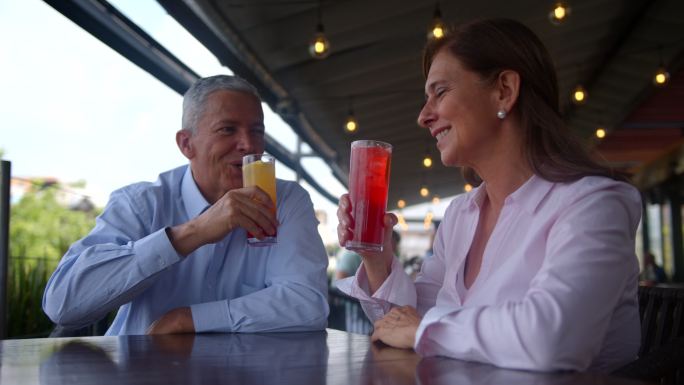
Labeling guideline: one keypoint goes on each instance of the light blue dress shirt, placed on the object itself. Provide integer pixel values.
(128, 262)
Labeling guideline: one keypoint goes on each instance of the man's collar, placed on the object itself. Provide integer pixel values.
(193, 200)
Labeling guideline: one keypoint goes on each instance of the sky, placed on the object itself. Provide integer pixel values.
(76, 110)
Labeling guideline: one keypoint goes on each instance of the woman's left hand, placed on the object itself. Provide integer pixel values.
(398, 327)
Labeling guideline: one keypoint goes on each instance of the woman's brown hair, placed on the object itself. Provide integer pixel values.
(488, 47)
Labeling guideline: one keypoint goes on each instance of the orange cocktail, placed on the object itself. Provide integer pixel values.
(259, 170)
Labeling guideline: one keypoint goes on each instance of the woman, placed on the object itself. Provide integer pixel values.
(534, 269)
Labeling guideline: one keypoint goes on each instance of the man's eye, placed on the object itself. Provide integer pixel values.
(227, 130)
(440, 91)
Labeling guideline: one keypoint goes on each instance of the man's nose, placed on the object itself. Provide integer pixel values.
(245, 142)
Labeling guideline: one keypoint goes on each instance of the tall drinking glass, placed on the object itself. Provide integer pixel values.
(369, 172)
(259, 170)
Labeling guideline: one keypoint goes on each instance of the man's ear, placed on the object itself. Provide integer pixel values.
(184, 142)
(508, 88)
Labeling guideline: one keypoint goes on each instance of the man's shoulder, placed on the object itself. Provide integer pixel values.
(287, 191)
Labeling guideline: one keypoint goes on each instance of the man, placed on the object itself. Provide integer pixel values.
(172, 255)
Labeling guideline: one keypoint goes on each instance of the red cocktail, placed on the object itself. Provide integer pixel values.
(369, 172)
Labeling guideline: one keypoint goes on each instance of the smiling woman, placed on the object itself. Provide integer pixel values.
(535, 268)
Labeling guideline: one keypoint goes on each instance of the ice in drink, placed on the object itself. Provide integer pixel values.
(369, 172)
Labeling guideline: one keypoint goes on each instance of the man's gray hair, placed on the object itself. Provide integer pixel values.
(194, 99)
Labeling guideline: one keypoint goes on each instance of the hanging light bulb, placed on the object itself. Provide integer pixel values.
(579, 95)
(467, 187)
(435, 200)
(600, 132)
(319, 47)
(401, 203)
(437, 28)
(661, 77)
(427, 161)
(559, 13)
(351, 125)
(424, 191)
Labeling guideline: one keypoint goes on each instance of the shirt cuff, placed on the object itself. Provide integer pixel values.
(211, 317)
(397, 290)
(426, 328)
(156, 251)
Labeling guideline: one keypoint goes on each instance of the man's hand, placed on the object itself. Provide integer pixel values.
(174, 322)
(249, 207)
(398, 327)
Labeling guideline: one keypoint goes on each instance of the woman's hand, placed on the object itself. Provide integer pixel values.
(378, 264)
(398, 327)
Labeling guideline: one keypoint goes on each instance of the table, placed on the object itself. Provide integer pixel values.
(327, 357)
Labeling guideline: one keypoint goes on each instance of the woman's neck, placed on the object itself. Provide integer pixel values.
(504, 171)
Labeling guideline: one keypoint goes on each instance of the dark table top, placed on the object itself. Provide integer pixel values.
(331, 357)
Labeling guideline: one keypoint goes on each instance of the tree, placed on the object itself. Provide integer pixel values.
(42, 227)
(41, 231)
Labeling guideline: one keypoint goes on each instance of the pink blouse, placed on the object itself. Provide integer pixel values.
(557, 287)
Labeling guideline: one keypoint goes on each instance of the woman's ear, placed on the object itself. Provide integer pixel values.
(184, 142)
(508, 88)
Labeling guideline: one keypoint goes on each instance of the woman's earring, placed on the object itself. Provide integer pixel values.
(501, 114)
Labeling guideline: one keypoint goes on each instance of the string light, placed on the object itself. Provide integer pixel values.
(427, 161)
(661, 77)
(437, 28)
(351, 124)
(467, 187)
(435, 200)
(600, 133)
(427, 222)
(319, 47)
(401, 203)
(579, 95)
(424, 191)
(402, 222)
(559, 13)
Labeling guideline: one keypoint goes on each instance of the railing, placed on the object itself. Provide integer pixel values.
(346, 314)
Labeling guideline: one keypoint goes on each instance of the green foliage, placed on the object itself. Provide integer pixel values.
(26, 283)
(41, 231)
(42, 227)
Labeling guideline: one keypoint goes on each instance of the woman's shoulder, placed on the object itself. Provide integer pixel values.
(596, 189)
(598, 184)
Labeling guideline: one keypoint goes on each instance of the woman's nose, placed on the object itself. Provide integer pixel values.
(426, 116)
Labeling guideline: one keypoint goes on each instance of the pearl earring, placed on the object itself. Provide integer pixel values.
(501, 114)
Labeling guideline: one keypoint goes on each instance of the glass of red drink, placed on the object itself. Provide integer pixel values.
(369, 172)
